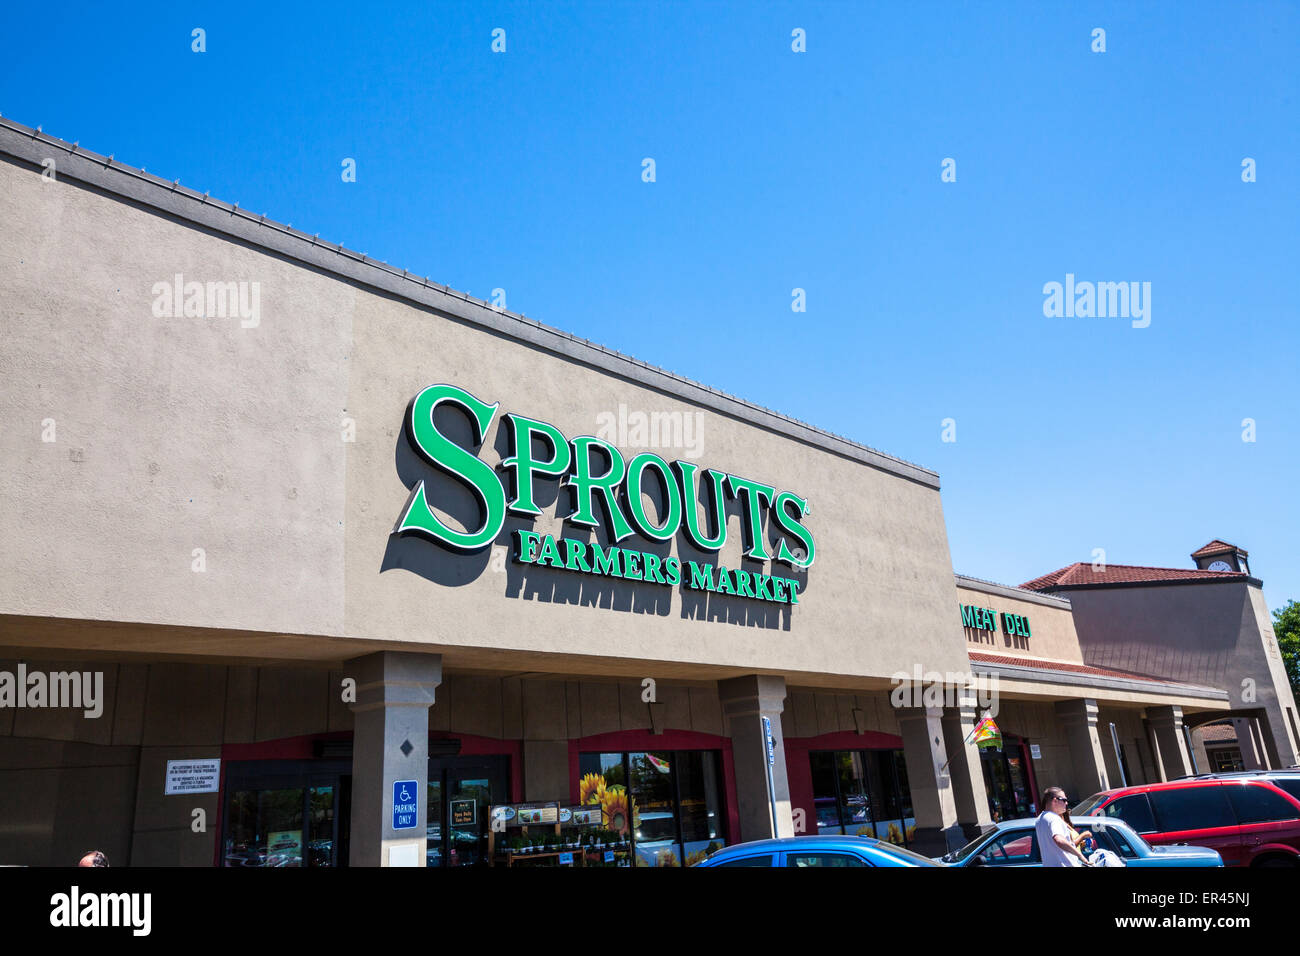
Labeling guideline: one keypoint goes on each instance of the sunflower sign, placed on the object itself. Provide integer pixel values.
(617, 807)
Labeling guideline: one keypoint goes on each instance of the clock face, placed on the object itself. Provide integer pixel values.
(1220, 566)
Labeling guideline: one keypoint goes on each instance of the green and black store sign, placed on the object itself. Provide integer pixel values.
(615, 486)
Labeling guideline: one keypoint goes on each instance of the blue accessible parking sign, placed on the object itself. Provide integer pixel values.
(406, 805)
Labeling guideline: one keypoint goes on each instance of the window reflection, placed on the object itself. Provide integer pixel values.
(433, 825)
(320, 826)
(669, 800)
(862, 793)
(265, 828)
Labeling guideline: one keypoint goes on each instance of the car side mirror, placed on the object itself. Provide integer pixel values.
(980, 860)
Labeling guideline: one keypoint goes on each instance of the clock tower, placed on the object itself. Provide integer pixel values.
(1221, 556)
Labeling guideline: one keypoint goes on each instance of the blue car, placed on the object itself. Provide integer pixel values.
(817, 851)
(1013, 843)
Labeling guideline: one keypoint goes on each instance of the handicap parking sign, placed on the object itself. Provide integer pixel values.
(406, 804)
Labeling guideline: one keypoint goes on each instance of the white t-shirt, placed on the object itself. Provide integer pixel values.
(1049, 825)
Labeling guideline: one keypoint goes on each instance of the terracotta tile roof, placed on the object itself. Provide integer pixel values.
(1216, 547)
(982, 658)
(1217, 733)
(1081, 572)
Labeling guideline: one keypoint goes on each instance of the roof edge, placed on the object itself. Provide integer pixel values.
(1237, 578)
(171, 198)
(1047, 675)
(1011, 591)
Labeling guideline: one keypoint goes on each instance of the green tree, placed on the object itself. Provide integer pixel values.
(1286, 625)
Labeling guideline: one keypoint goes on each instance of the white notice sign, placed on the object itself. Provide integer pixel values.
(193, 776)
(1035, 752)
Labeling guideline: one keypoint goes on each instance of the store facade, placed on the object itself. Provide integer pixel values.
(358, 555)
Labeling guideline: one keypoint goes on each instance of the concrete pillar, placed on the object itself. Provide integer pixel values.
(933, 802)
(1167, 727)
(969, 793)
(1247, 743)
(745, 702)
(390, 743)
(1202, 761)
(1266, 738)
(1287, 733)
(1158, 765)
(1078, 719)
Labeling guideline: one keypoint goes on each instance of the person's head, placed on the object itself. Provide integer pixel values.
(93, 858)
(1054, 800)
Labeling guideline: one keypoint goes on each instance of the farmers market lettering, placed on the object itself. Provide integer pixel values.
(616, 486)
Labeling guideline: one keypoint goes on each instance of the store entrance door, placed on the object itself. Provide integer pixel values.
(1006, 781)
(287, 813)
(460, 791)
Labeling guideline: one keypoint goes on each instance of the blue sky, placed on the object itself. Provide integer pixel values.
(818, 170)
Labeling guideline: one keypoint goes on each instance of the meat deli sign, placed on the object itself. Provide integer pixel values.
(616, 486)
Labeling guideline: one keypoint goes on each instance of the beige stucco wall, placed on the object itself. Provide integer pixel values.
(1214, 634)
(1052, 637)
(176, 434)
(811, 713)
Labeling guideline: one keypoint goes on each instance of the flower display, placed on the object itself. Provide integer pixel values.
(591, 789)
(615, 812)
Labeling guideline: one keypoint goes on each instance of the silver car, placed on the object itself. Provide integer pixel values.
(1014, 843)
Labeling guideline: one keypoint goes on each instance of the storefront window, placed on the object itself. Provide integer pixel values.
(286, 813)
(700, 786)
(1006, 782)
(320, 826)
(433, 823)
(670, 800)
(1225, 761)
(862, 793)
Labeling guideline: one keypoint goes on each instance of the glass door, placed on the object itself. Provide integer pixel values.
(433, 820)
(469, 794)
(1006, 782)
(460, 791)
(1020, 796)
(287, 813)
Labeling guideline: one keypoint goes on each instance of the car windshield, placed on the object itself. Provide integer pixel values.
(968, 849)
(1129, 845)
(1085, 809)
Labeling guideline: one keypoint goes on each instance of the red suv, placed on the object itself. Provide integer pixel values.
(1251, 822)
